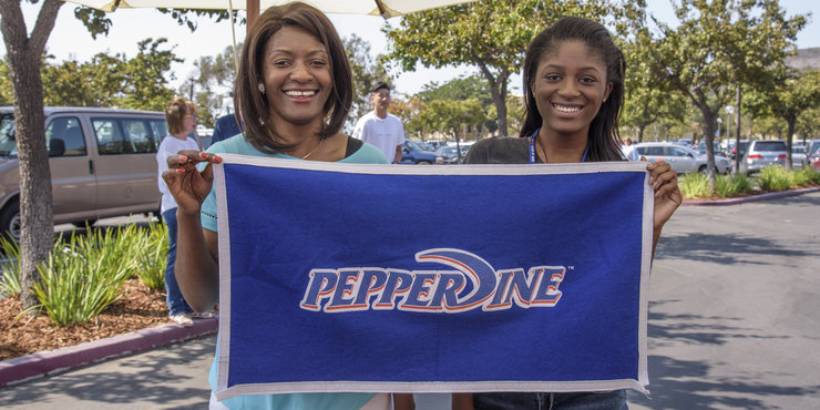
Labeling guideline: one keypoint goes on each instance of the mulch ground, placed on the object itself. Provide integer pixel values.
(21, 334)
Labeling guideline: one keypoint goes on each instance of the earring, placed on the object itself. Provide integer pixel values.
(261, 87)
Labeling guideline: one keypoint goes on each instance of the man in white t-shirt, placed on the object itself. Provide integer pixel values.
(380, 128)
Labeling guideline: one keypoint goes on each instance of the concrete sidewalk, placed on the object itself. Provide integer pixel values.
(173, 377)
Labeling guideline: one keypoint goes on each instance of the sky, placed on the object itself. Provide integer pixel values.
(70, 39)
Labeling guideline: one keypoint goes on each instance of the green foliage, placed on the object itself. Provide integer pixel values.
(728, 186)
(150, 253)
(112, 80)
(452, 117)
(6, 88)
(10, 279)
(805, 176)
(694, 185)
(775, 178)
(212, 81)
(84, 275)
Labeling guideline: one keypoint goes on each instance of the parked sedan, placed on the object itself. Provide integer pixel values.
(448, 155)
(682, 159)
(761, 154)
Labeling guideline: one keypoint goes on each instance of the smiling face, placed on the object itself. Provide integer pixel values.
(297, 75)
(569, 87)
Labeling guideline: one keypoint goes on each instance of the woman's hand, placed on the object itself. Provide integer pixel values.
(188, 186)
(664, 181)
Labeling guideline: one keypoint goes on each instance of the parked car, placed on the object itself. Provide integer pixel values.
(761, 154)
(744, 145)
(813, 153)
(447, 155)
(799, 158)
(715, 148)
(682, 159)
(102, 164)
(412, 153)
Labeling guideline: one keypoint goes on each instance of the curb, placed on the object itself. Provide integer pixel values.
(46, 363)
(752, 198)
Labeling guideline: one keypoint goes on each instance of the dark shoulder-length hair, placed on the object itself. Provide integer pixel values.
(604, 141)
(251, 104)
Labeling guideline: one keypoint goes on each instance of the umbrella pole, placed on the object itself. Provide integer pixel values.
(253, 12)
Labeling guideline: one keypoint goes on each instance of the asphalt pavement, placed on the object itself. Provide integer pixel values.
(734, 323)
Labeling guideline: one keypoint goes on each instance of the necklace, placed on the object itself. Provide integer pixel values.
(314, 149)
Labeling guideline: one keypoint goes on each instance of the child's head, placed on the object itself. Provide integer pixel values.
(180, 114)
(574, 79)
(293, 69)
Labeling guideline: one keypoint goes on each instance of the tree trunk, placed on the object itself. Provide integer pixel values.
(737, 133)
(24, 55)
(641, 129)
(498, 90)
(710, 120)
(791, 121)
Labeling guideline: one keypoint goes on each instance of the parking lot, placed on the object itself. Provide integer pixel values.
(734, 323)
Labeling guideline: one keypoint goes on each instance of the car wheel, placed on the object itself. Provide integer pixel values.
(84, 223)
(703, 169)
(10, 224)
(424, 163)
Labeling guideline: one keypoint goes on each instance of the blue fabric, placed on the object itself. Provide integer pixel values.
(173, 296)
(328, 401)
(226, 126)
(302, 309)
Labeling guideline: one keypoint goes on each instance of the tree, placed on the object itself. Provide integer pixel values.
(718, 45)
(112, 80)
(212, 81)
(808, 123)
(366, 73)
(797, 93)
(491, 35)
(6, 90)
(25, 56)
(647, 102)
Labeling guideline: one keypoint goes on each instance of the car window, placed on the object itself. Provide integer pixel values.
(799, 150)
(770, 146)
(654, 151)
(159, 129)
(65, 138)
(675, 152)
(8, 144)
(110, 140)
(138, 134)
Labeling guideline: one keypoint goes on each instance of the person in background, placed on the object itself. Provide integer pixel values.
(226, 126)
(379, 127)
(180, 115)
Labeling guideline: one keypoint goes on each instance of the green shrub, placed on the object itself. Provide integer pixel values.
(728, 186)
(151, 253)
(10, 279)
(805, 176)
(694, 185)
(775, 178)
(85, 275)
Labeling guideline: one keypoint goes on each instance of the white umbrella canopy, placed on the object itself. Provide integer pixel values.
(385, 8)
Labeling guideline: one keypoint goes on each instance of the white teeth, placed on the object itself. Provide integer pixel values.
(295, 93)
(567, 108)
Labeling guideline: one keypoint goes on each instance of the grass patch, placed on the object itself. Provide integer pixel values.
(10, 278)
(152, 251)
(775, 178)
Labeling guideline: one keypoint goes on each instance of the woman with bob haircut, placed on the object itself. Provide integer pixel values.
(574, 90)
(293, 92)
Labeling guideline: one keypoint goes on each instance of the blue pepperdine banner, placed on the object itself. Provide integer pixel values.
(386, 278)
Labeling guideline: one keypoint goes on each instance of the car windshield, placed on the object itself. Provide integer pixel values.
(770, 146)
(8, 142)
(447, 151)
(798, 150)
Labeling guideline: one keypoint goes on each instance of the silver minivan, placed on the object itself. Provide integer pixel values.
(102, 164)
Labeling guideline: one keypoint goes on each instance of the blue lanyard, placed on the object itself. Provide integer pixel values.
(533, 159)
